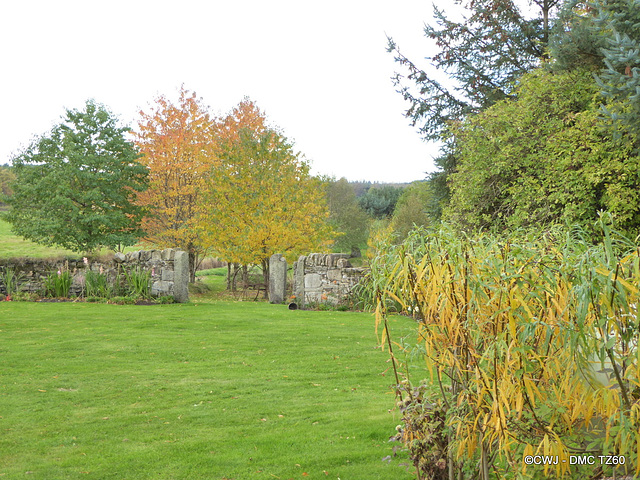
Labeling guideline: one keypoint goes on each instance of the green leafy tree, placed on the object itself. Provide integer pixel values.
(347, 217)
(76, 187)
(414, 209)
(541, 159)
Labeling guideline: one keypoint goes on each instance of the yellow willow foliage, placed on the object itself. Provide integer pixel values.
(514, 333)
(178, 143)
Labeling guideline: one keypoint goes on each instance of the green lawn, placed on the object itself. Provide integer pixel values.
(197, 391)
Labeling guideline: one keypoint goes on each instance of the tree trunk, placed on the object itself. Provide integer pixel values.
(245, 276)
(193, 265)
(545, 23)
(233, 276)
(265, 277)
(484, 461)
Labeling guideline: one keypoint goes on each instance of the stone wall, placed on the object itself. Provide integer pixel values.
(169, 271)
(324, 278)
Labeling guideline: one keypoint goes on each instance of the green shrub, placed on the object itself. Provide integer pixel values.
(19, 296)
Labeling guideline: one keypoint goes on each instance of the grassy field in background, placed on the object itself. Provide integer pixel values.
(13, 246)
(224, 390)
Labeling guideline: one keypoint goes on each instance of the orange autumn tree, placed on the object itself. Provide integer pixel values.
(178, 142)
(262, 199)
(246, 116)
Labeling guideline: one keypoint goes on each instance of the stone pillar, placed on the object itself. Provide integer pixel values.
(298, 281)
(277, 278)
(181, 277)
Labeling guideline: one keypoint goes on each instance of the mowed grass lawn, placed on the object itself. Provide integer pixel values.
(198, 391)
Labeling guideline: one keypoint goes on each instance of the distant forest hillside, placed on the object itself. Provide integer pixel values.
(361, 187)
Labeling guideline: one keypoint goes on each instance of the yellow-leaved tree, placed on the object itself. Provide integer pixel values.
(178, 142)
(262, 199)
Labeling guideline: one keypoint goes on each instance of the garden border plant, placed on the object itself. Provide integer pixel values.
(138, 282)
(10, 277)
(57, 284)
(97, 285)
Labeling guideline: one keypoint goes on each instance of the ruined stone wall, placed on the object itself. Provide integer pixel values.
(324, 278)
(169, 271)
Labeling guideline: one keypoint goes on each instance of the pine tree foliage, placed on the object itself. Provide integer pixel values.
(576, 42)
(380, 202)
(620, 79)
(483, 55)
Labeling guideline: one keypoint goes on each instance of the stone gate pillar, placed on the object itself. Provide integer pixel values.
(298, 281)
(181, 277)
(277, 278)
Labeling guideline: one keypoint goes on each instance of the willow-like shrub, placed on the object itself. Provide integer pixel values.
(531, 344)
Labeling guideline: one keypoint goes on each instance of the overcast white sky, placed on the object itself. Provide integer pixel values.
(319, 70)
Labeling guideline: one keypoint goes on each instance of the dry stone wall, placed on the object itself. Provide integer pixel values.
(324, 278)
(169, 271)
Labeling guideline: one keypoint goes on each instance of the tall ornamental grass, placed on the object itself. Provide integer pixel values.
(531, 346)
